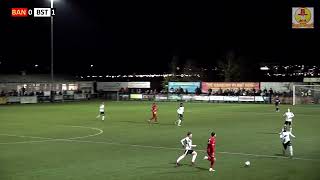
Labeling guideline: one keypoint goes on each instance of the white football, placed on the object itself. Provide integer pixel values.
(247, 163)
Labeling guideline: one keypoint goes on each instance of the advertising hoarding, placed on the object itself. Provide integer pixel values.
(135, 96)
(190, 86)
(111, 86)
(140, 85)
(28, 99)
(229, 85)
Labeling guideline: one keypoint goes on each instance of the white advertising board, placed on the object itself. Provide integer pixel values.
(246, 98)
(231, 98)
(13, 99)
(201, 98)
(111, 86)
(139, 85)
(28, 99)
(216, 98)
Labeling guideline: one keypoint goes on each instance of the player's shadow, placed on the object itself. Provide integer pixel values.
(202, 169)
(189, 165)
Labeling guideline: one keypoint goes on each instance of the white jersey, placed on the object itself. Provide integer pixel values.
(285, 136)
(288, 116)
(187, 143)
(101, 108)
(180, 110)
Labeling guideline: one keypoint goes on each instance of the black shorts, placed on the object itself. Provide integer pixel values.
(287, 123)
(186, 152)
(276, 104)
(101, 113)
(285, 145)
(180, 116)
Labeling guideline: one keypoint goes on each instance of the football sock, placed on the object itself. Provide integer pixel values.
(291, 150)
(102, 118)
(194, 157)
(211, 163)
(180, 158)
(179, 122)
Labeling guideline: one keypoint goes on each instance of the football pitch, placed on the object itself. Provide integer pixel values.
(65, 141)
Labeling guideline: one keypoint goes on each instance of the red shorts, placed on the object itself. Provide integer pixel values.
(211, 154)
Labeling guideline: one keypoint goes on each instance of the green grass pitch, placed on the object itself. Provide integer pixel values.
(66, 142)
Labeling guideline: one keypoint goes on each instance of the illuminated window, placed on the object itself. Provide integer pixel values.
(72, 87)
(64, 87)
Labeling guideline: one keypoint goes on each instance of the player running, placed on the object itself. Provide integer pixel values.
(101, 110)
(277, 103)
(154, 110)
(180, 112)
(211, 148)
(288, 119)
(286, 142)
(187, 144)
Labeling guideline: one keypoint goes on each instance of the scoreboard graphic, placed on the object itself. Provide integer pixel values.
(32, 12)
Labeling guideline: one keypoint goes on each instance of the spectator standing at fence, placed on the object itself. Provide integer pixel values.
(154, 111)
(270, 95)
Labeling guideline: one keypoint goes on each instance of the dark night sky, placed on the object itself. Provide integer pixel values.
(143, 37)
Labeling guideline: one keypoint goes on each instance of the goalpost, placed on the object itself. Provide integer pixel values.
(306, 94)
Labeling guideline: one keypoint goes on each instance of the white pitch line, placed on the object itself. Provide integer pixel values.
(52, 139)
(160, 147)
(91, 135)
(141, 146)
(222, 152)
(24, 136)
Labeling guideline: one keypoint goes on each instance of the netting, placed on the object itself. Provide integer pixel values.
(306, 94)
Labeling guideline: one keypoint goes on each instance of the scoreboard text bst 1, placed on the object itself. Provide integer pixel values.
(35, 12)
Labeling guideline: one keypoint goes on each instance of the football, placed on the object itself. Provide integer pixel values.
(247, 163)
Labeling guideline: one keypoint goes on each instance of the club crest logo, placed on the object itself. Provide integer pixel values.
(302, 17)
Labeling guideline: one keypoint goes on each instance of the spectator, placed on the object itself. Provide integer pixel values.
(270, 95)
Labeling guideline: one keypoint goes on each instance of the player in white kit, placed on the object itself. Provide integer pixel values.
(286, 142)
(101, 111)
(180, 112)
(188, 146)
(288, 119)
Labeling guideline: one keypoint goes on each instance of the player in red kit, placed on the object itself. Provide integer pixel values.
(211, 148)
(154, 110)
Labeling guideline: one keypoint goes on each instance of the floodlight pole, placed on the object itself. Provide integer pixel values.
(51, 48)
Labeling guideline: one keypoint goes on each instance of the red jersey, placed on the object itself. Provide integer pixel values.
(211, 144)
(154, 108)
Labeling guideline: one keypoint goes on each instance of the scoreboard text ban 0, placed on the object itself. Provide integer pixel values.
(36, 12)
